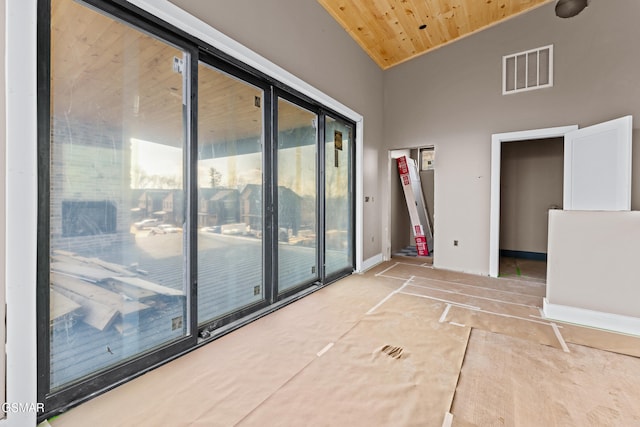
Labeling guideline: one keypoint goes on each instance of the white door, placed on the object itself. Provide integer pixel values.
(597, 167)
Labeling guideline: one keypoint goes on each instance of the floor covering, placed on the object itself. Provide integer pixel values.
(403, 344)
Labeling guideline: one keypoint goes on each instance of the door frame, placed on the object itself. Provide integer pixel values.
(496, 159)
(391, 168)
(391, 164)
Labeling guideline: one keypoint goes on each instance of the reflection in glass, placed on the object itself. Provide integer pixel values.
(338, 205)
(297, 201)
(230, 135)
(117, 197)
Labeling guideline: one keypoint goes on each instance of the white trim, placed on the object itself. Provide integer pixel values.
(197, 28)
(496, 152)
(371, 262)
(526, 67)
(21, 207)
(595, 319)
(359, 195)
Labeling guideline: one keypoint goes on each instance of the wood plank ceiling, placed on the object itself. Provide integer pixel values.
(395, 31)
(107, 73)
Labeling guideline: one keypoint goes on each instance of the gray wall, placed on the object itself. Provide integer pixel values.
(531, 183)
(610, 284)
(302, 38)
(427, 180)
(452, 98)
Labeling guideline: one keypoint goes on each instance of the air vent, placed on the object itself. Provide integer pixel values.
(529, 70)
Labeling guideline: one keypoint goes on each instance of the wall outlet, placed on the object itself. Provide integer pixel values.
(455, 243)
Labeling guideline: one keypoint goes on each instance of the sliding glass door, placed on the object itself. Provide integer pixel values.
(230, 195)
(118, 255)
(338, 175)
(181, 194)
(297, 156)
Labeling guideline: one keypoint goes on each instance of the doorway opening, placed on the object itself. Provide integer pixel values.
(497, 141)
(603, 147)
(400, 237)
(531, 183)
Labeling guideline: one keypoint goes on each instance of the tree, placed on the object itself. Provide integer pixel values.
(215, 177)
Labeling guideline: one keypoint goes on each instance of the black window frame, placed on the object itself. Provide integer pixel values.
(313, 108)
(68, 396)
(121, 10)
(208, 328)
(336, 275)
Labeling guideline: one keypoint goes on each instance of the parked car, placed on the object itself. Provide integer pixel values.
(169, 228)
(238, 228)
(146, 223)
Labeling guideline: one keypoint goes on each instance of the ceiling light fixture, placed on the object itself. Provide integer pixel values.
(570, 8)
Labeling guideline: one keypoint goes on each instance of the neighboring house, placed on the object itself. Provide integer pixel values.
(172, 206)
(163, 205)
(251, 206)
(289, 210)
(218, 206)
(151, 201)
(225, 204)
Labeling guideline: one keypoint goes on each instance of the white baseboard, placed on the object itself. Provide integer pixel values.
(595, 319)
(371, 262)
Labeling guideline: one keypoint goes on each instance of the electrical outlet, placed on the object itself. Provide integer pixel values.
(455, 243)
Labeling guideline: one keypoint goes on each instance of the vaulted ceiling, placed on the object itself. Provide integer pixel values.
(395, 31)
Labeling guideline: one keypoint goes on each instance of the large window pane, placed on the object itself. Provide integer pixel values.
(338, 196)
(297, 201)
(117, 193)
(230, 139)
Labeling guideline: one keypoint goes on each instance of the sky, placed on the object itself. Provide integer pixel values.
(164, 164)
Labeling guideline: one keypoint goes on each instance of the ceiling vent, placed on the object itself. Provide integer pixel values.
(529, 70)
